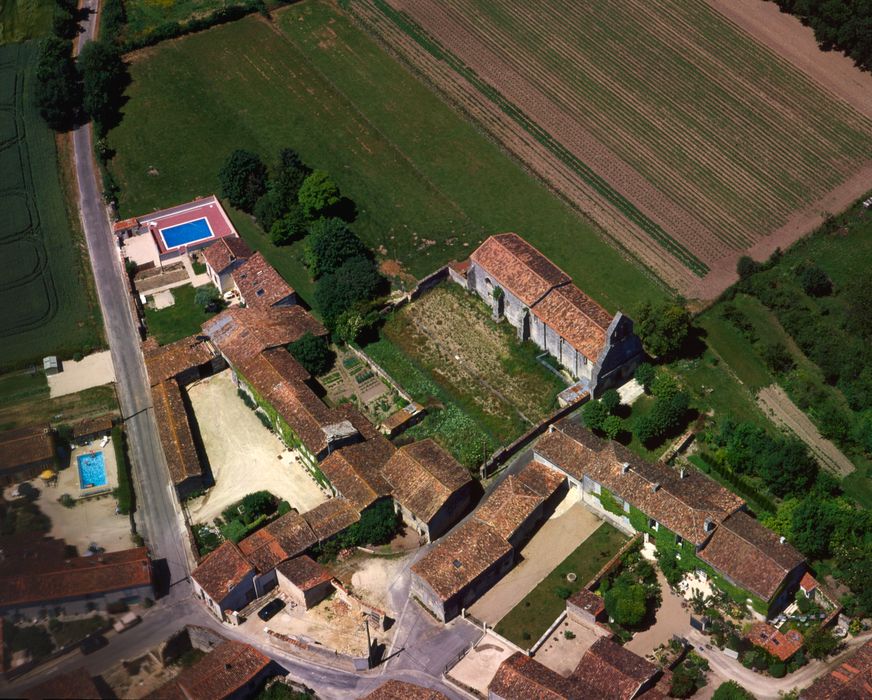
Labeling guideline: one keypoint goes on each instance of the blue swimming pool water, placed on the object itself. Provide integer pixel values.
(92, 471)
(182, 234)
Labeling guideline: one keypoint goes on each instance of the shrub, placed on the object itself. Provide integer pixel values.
(563, 592)
(626, 604)
(815, 282)
(645, 376)
(611, 399)
(329, 244)
(569, 634)
(67, 501)
(777, 670)
(777, 357)
(317, 193)
(124, 493)
(313, 353)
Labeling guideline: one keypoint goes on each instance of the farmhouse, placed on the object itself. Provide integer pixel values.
(607, 670)
(540, 301)
(260, 286)
(478, 553)
(186, 471)
(685, 509)
(456, 572)
(222, 257)
(31, 585)
(225, 580)
(231, 670)
(171, 233)
(430, 488)
(305, 581)
(26, 452)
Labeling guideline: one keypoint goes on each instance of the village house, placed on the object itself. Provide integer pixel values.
(478, 553)
(607, 670)
(432, 491)
(330, 518)
(693, 512)
(285, 537)
(304, 581)
(222, 257)
(224, 580)
(41, 579)
(185, 360)
(25, 453)
(781, 645)
(536, 297)
(231, 671)
(455, 573)
(174, 430)
(355, 471)
(260, 286)
(850, 680)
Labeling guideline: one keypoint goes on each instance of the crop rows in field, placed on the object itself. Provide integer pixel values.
(701, 141)
(43, 305)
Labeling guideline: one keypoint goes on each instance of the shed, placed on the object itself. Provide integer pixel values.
(304, 580)
(51, 364)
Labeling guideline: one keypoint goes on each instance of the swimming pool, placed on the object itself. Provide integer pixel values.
(92, 471)
(186, 233)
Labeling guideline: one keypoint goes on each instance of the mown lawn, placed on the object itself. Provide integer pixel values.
(529, 619)
(314, 82)
(178, 321)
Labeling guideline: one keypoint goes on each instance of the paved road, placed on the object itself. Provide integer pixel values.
(158, 517)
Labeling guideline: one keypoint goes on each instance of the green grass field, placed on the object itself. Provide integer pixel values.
(46, 306)
(529, 619)
(143, 16)
(24, 19)
(314, 82)
(178, 321)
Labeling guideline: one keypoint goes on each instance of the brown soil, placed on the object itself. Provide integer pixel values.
(776, 404)
(785, 35)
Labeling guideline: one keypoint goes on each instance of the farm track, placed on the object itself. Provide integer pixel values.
(689, 150)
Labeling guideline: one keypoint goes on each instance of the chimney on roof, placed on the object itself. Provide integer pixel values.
(625, 467)
(782, 539)
(655, 486)
(709, 525)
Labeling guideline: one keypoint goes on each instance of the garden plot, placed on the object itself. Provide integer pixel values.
(244, 455)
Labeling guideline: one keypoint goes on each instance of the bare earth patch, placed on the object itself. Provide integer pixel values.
(777, 404)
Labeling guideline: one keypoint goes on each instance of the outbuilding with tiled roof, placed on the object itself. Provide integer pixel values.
(222, 257)
(355, 471)
(174, 430)
(26, 452)
(432, 490)
(330, 518)
(224, 580)
(467, 562)
(185, 360)
(283, 538)
(304, 580)
(75, 685)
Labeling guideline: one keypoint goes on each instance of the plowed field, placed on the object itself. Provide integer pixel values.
(687, 140)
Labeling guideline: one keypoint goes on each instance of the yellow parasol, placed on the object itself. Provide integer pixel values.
(47, 474)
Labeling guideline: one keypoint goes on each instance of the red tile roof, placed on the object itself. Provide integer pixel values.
(167, 361)
(588, 601)
(613, 671)
(221, 571)
(124, 225)
(808, 582)
(242, 333)
(285, 537)
(91, 426)
(751, 555)
(401, 690)
(304, 572)
(73, 684)
(683, 505)
(331, 517)
(24, 446)
(355, 471)
(221, 674)
(851, 680)
(77, 577)
(520, 677)
(461, 557)
(175, 432)
(782, 646)
(224, 252)
(518, 267)
(259, 283)
(513, 501)
(423, 476)
(576, 318)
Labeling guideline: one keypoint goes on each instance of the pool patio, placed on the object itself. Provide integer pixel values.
(71, 474)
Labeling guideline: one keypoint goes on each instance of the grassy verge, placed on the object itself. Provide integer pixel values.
(40, 408)
(124, 493)
(316, 83)
(529, 619)
(73, 631)
(178, 321)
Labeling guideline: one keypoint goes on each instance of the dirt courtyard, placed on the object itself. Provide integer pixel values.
(561, 654)
(243, 454)
(94, 370)
(477, 668)
(558, 537)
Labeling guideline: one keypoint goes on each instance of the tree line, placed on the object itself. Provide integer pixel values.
(291, 202)
(844, 25)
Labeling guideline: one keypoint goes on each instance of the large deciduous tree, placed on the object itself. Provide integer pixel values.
(243, 179)
(662, 328)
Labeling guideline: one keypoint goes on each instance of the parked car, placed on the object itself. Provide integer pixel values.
(125, 622)
(270, 609)
(91, 644)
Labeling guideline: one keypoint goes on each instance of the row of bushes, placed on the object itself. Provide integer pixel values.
(124, 492)
(739, 484)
